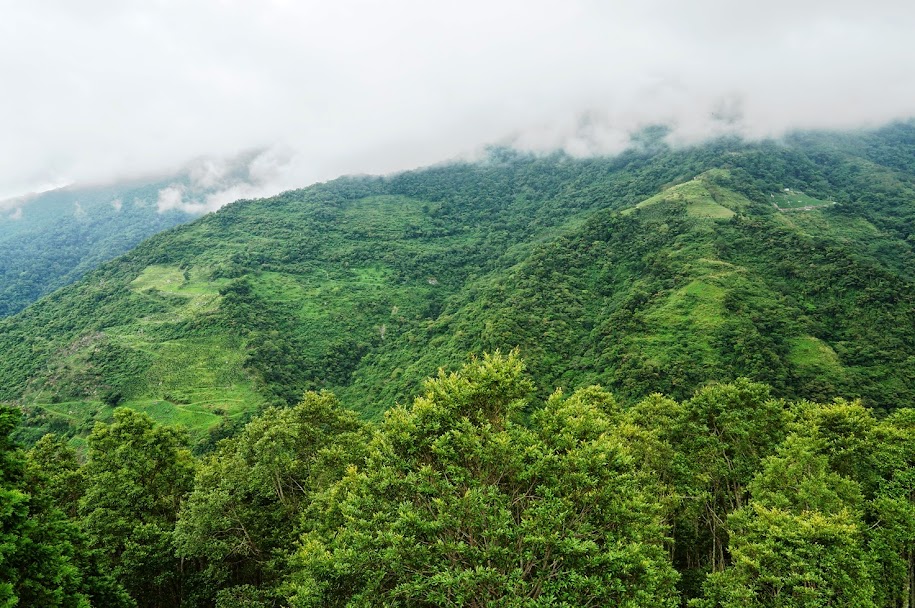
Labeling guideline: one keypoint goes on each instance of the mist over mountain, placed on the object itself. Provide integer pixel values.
(50, 239)
(700, 352)
(507, 303)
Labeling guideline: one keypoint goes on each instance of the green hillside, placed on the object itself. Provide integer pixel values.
(655, 270)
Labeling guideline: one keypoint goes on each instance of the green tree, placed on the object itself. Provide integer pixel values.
(243, 516)
(459, 504)
(55, 479)
(799, 542)
(37, 554)
(52, 466)
(892, 509)
(136, 475)
(844, 429)
(714, 444)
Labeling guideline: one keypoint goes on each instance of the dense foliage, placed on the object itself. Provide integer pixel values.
(786, 262)
(727, 498)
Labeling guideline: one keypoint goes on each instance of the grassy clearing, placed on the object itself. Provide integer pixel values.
(191, 283)
(708, 208)
(384, 217)
(696, 307)
(198, 292)
(794, 200)
(196, 381)
(700, 197)
(163, 278)
(196, 421)
(207, 373)
(810, 352)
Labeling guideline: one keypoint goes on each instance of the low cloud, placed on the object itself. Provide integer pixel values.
(13, 208)
(210, 183)
(113, 89)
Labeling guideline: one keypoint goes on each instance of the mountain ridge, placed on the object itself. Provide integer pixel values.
(642, 272)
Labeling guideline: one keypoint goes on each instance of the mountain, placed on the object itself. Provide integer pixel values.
(51, 239)
(659, 269)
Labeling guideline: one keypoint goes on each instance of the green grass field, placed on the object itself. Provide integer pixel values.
(701, 198)
(793, 200)
(812, 353)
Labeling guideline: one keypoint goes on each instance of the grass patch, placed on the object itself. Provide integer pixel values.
(385, 217)
(794, 200)
(206, 373)
(197, 293)
(162, 278)
(699, 196)
(697, 306)
(811, 352)
(197, 421)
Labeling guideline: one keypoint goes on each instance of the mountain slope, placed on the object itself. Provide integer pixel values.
(658, 269)
(51, 239)
(660, 299)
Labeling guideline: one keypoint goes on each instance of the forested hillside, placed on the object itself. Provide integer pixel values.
(51, 239)
(659, 269)
(728, 498)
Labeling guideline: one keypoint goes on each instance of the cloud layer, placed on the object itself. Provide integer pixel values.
(111, 88)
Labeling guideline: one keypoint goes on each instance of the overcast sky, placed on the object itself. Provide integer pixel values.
(99, 89)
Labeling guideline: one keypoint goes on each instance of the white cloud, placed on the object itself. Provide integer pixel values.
(210, 183)
(172, 197)
(109, 88)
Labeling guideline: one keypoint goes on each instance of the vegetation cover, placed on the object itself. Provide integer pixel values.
(714, 408)
(730, 497)
(658, 269)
